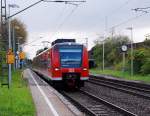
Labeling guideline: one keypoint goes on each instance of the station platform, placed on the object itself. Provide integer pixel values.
(47, 100)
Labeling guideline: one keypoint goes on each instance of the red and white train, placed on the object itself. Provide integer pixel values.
(65, 63)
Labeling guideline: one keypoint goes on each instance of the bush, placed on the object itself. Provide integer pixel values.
(2, 59)
(139, 56)
(118, 66)
(145, 69)
(141, 62)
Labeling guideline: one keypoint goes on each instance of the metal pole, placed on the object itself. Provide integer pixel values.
(103, 45)
(14, 50)
(9, 36)
(103, 55)
(18, 54)
(131, 45)
(131, 51)
(123, 54)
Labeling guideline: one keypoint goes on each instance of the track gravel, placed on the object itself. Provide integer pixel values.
(97, 107)
(132, 103)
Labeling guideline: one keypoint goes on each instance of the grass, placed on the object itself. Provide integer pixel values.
(120, 74)
(16, 101)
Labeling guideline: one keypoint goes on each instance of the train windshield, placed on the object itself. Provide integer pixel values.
(70, 57)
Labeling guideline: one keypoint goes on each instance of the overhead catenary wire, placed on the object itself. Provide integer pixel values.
(117, 10)
(120, 7)
(128, 20)
(112, 13)
(144, 9)
(60, 15)
(64, 21)
(58, 1)
(61, 24)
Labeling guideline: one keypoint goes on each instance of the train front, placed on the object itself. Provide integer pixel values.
(73, 61)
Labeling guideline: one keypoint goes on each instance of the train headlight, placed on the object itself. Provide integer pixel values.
(56, 69)
(85, 69)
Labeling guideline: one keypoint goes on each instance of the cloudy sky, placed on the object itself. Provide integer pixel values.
(95, 18)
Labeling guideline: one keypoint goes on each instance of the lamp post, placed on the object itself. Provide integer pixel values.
(9, 37)
(103, 42)
(18, 51)
(131, 29)
(14, 43)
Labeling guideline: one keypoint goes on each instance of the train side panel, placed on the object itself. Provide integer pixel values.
(55, 64)
(85, 65)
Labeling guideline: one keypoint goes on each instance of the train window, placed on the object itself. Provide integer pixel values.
(70, 57)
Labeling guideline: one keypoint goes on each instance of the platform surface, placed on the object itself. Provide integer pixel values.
(45, 99)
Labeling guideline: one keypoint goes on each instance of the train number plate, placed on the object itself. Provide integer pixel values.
(71, 70)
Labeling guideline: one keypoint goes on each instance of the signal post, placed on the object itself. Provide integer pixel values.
(10, 59)
(21, 58)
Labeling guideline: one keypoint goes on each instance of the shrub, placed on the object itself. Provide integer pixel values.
(2, 59)
(139, 56)
(145, 69)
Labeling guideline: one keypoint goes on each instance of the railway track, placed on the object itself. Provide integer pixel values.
(95, 101)
(130, 83)
(130, 88)
(95, 106)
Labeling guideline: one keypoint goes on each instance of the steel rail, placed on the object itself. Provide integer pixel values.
(115, 107)
(79, 105)
(126, 82)
(104, 102)
(123, 85)
(121, 89)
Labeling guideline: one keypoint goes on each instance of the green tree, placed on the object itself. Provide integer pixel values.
(139, 57)
(21, 31)
(145, 68)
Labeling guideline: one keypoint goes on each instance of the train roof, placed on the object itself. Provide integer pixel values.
(60, 44)
(67, 43)
(63, 41)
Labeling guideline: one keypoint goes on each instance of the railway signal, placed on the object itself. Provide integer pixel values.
(10, 58)
(22, 55)
(21, 58)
